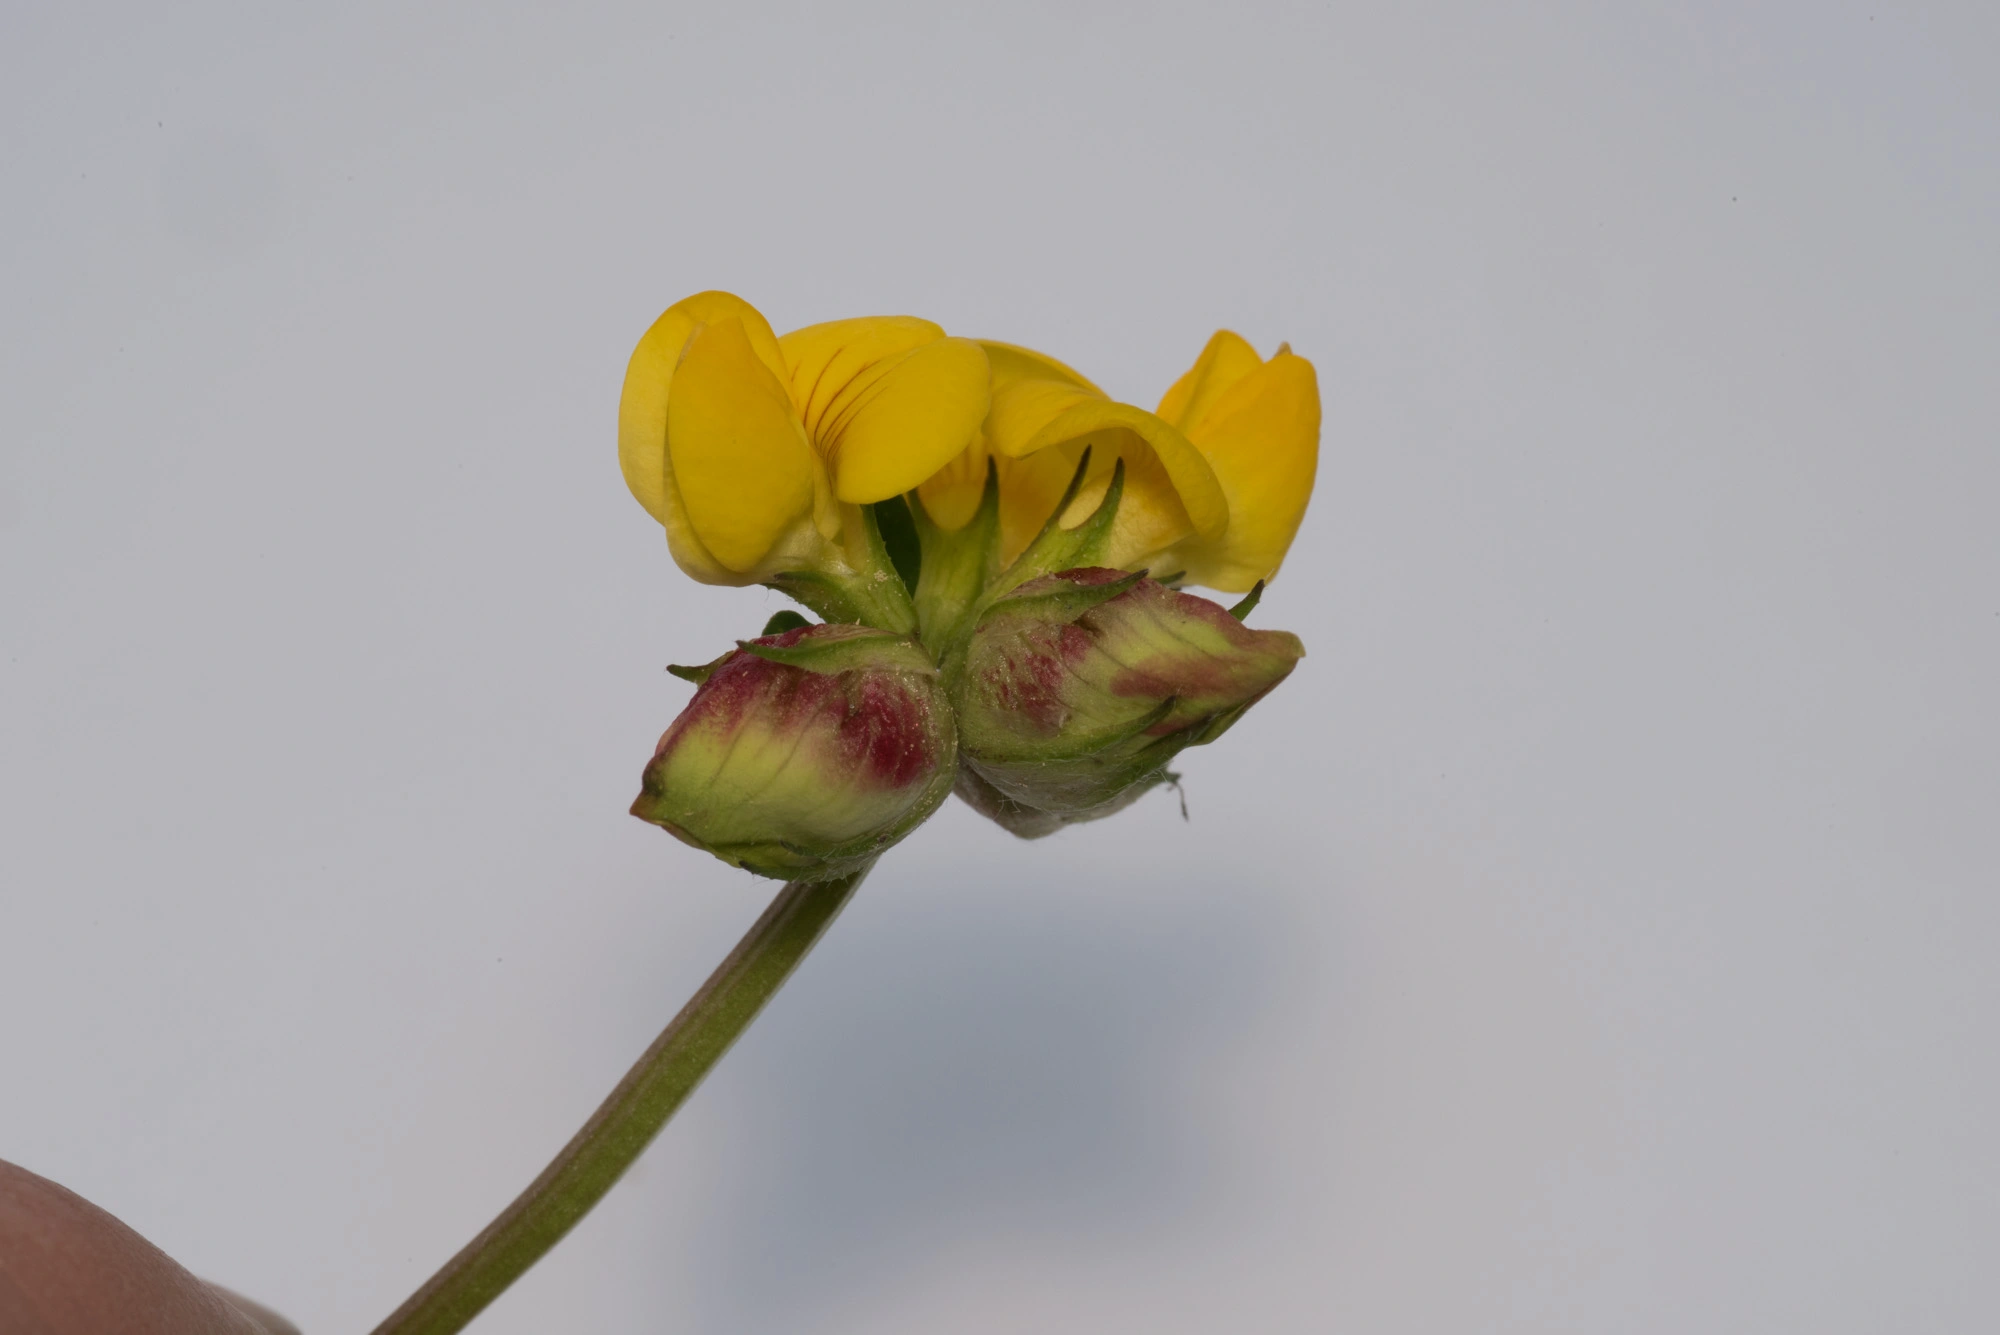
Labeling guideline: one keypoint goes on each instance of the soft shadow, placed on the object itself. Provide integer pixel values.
(986, 1063)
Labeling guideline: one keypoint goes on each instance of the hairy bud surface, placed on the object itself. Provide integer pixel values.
(1078, 688)
(803, 755)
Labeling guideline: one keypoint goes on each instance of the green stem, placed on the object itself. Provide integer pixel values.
(619, 1131)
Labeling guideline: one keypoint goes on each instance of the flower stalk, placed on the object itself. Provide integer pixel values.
(621, 1128)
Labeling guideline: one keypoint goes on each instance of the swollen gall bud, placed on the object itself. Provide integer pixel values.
(1078, 688)
(804, 754)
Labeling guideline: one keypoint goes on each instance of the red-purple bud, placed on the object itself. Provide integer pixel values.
(805, 754)
(1079, 687)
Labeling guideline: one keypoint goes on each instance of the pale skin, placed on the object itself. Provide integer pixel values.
(70, 1268)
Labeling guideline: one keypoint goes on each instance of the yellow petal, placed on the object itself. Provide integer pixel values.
(642, 416)
(1225, 361)
(1010, 363)
(903, 419)
(822, 359)
(739, 459)
(1030, 488)
(951, 495)
(1171, 492)
(1022, 409)
(1262, 437)
(887, 400)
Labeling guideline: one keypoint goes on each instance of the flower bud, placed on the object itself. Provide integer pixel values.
(1079, 687)
(803, 755)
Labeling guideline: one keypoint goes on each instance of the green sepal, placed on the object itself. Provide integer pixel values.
(1107, 776)
(1070, 791)
(782, 860)
(871, 595)
(1242, 610)
(700, 672)
(1057, 548)
(1062, 604)
(839, 648)
(1030, 822)
(877, 600)
(781, 622)
(1221, 723)
(1017, 818)
(957, 565)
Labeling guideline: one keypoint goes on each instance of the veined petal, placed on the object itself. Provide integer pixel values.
(887, 400)
(1261, 435)
(738, 455)
(642, 416)
(821, 360)
(1225, 361)
(902, 419)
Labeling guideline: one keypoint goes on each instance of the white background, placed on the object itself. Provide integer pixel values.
(1596, 934)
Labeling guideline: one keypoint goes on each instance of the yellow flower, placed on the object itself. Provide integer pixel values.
(1217, 478)
(755, 452)
(1043, 417)
(1257, 424)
